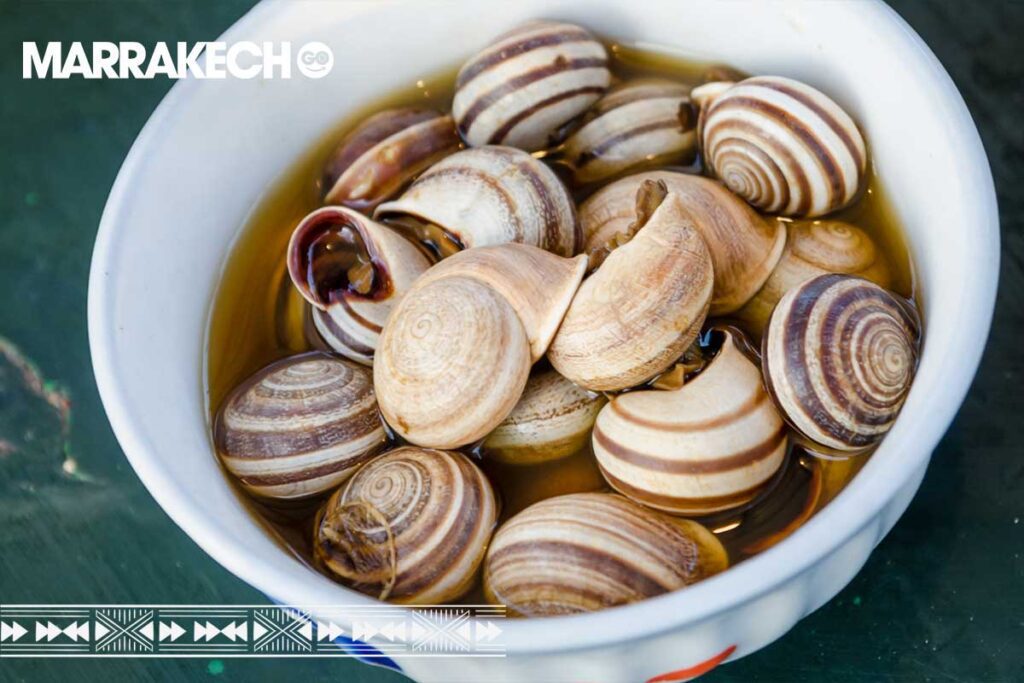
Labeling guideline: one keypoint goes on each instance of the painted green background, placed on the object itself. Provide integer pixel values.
(942, 598)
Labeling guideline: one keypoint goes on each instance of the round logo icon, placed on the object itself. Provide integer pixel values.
(315, 60)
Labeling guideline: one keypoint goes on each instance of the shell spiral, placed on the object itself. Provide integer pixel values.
(587, 551)
(521, 89)
(814, 248)
(384, 153)
(411, 526)
(452, 362)
(710, 445)
(489, 196)
(783, 146)
(300, 426)
(839, 355)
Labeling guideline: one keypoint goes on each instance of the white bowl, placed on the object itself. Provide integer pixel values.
(212, 147)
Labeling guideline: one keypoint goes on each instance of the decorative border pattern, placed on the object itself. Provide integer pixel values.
(367, 632)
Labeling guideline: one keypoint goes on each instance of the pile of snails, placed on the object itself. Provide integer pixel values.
(568, 261)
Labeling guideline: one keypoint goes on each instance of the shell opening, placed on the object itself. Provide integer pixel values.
(329, 260)
(348, 533)
(437, 242)
(649, 197)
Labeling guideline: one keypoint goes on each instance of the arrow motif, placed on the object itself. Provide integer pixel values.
(14, 630)
(170, 630)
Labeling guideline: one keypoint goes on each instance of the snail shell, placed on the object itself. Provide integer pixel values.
(521, 89)
(783, 146)
(744, 246)
(537, 284)
(492, 195)
(299, 426)
(637, 314)
(588, 551)
(384, 153)
(710, 445)
(647, 122)
(412, 526)
(839, 355)
(815, 248)
(353, 270)
(552, 420)
(453, 361)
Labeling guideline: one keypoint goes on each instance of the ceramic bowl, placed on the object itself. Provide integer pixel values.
(212, 148)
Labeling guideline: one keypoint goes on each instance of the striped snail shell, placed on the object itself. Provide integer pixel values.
(710, 445)
(488, 196)
(456, 352)
(587, 551)
(839, 355)
(783, 146)
(744, 246)
(411, 526)
(636, 315)
(384, 153)
(552, 420)
(353, 270)
(646, 122)
(299, 426)
(526, 85)
(815, 248)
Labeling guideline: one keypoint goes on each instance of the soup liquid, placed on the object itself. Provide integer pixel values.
(258, 317)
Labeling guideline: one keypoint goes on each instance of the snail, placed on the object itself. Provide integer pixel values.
(353, 270)
(382, 155)
(838, 357)
(487, 196)
(646, 122)
(635, 315)
(587, 551)
(709, 445)
(525, 86)
(299, 426)
(744, 246)
(815, 248)
(456, 352)
(410, 527)
(782, 145)
(552, 420)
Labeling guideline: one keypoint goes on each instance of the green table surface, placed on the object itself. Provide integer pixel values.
(942, 598)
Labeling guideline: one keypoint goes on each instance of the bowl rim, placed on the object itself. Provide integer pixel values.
(851, 512)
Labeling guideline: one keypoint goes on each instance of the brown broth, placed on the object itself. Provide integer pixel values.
(258, 317)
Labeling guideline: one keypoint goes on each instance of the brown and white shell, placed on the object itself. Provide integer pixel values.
(410, 527)
(353, 270)
(782, 145)
(636, 315)
(383, 154)
(537, 284)
(588, 551)
(744, 246)
(492, 195)
(815, 248)
(709, 445)
(552, 420)
(455, 355)
(299, 426)
(642, 123)
(839, 355)
(527, 84)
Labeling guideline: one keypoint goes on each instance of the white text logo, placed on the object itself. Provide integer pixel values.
(215, 60)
